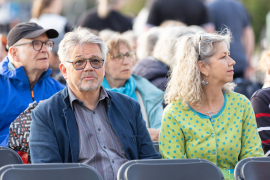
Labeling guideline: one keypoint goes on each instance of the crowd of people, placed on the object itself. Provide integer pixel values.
(100, 93)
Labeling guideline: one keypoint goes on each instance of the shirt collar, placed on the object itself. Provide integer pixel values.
(102, 96)
(11, 66)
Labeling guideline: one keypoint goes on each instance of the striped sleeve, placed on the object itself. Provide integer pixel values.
(262, 113)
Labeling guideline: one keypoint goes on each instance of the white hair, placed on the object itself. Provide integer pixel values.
(185, 79)
(147, 41)
(78, 37)
(165, 46)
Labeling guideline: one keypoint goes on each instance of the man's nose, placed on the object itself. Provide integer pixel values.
(44, 48)
(88, 66)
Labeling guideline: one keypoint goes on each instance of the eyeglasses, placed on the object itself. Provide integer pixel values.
(37, 44)
(121, 55)
(80, 63)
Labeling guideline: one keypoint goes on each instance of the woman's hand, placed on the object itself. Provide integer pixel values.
(154, 133)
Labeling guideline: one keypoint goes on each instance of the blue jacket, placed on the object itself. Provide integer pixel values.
(153, 70)
(54, 132)
(15, 94)
(152, 100)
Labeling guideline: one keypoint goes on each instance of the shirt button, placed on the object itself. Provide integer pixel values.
(214, 152)
(212, 135)
(94, 112)
(104, 147)
(99, 129)
(213, 121)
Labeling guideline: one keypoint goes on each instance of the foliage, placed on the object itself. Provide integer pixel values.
(258, 10)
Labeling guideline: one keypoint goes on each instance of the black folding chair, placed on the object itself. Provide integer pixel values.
(169, 169)
(8, 156)
(49, 171)
(256, 168)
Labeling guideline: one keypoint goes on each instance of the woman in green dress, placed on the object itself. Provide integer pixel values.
(204, 117)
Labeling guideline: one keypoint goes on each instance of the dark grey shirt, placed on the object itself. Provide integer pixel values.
(99, 144)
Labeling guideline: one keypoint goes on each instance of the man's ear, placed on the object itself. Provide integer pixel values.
(63, 70)
(203, 67)
(14, 53)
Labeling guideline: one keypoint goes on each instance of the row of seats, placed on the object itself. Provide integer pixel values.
(11, 167)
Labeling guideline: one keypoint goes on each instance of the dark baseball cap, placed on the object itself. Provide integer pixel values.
(28, 30)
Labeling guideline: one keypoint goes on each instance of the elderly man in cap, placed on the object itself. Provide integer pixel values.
(24, 73)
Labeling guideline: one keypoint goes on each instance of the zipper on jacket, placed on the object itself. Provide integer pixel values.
(32, 95)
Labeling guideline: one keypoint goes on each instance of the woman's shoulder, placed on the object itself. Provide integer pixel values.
(176, 105)
(236, 97)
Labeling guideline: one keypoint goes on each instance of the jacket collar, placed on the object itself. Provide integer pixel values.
(18, 73)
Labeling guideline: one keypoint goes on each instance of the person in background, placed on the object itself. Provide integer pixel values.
(106, 16)
(46, 13)
(268, 30)
(260, 101)
(155, 68)
(204, 119)
(3, 43)
(24, 73)
(132, 37)
(190, 12)
(264, 65)
(118, 78)
(242, 47)
(84, 123)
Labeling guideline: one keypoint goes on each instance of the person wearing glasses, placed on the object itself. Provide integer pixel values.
(204, 117)
(84, 123)
(24, 73)
(118, 78)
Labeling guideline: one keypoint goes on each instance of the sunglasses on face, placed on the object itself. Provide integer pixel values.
(80, 63)
(121, 55)
(37, 44)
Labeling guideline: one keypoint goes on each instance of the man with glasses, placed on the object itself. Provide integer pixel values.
(24, 73)
(84, 123)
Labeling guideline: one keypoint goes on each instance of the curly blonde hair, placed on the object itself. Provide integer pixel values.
(185, 79)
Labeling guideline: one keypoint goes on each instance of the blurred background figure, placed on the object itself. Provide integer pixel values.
(156, 50)
(13, 12)
(118, 78)
(264, 65)
(106, 16)
(132, 37)
(190, 12)
(141, 19)
(46, 13)
(3, 43)
(223, 14)
(268, 30)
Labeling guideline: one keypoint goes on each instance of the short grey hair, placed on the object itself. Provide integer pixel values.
(165, 46)
(79, 36)
(147, 41)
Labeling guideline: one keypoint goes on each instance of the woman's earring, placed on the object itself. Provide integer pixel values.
(205, 82)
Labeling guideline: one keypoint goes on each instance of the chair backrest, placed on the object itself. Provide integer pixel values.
(51, 171)
(169, 169)
(156, 145)
(252, 168)
(8, 156)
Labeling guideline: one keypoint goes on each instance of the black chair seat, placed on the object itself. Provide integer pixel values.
(182, 169)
